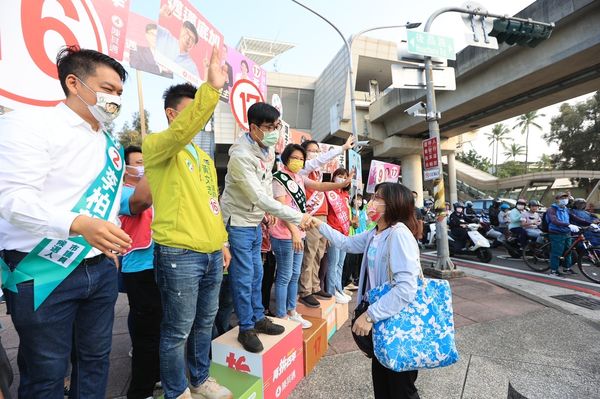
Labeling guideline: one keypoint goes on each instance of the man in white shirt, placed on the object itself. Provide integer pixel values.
(60, 185)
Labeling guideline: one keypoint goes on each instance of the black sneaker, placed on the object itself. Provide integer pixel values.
(323, 294)
(569, 271)
(309, 301)
(556, 273)
(266, 326)
(250, 341)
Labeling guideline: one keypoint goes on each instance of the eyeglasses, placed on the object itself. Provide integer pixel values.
(272, 126)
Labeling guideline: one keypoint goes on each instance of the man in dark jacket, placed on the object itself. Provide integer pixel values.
(559, 233)
(458, 225)
(493, 212)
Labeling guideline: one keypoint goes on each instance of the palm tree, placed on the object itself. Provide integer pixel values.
(495, 137)
(524, 122)
(545, 162)
(514, 151)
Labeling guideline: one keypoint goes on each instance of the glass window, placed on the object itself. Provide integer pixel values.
(289, 100)
(305, 109)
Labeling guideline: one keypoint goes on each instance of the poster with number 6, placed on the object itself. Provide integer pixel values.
(381, 172)
(34, 31)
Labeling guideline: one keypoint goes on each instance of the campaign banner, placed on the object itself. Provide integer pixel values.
(184, 40)
(288, 136)
(140, 46)
(355, 165)
(381, 172)
(240, 67)
(335, 163)
(34, 31)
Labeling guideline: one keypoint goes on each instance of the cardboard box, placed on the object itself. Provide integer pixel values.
(327, 305)
(315, 343)
(280, 365)
(331, 324)
(242, 385)
(341, 314)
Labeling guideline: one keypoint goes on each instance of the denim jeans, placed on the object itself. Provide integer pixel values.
(289, 264)
(80, 311)
(558, 244)
(223, 317)
(189, 284)
(335, 267)
(246, 272)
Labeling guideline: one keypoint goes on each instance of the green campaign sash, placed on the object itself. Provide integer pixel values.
(51, 261)
(292, 188)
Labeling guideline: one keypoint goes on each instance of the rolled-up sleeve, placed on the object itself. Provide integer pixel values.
(404, 261)
(24, 166)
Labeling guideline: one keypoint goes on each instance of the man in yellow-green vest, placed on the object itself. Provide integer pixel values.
(190, 237)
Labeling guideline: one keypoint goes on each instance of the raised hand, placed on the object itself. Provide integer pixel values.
(349, 143)
(217, 73)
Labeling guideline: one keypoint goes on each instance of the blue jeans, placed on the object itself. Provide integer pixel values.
(246, 272)
(335, 267)
(80, 311)
(289, 264)
(558, 245)
(189, 284)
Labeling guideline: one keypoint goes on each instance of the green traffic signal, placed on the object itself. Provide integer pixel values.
(520, 33)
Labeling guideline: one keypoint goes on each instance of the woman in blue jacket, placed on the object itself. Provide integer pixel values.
(392, 208)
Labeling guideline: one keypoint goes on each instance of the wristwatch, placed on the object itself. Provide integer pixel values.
(369, 320)
(226, 244)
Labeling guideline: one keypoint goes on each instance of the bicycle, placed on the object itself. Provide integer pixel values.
(587, 256)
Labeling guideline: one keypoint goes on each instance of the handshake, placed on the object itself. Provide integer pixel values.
(308, 222)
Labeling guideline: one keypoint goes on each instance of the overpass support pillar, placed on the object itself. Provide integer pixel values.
(452, 177)
(412, 175)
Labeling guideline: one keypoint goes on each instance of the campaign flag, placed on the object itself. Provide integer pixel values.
(335, 163)
(380, 172)
(240, 67)
(140, 46)
(355, 165)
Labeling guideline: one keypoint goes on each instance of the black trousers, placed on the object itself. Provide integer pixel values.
(268, 278)
(145, 314)
(6, 373)
(389, 384)
(351, 271)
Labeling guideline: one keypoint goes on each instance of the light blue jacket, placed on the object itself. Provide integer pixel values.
(404, 260)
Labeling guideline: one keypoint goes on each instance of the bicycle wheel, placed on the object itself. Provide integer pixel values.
(589, 263)
(537, 257)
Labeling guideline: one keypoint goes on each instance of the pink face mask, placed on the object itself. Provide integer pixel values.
(372, 212)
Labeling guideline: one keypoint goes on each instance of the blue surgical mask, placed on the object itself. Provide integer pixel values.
(563, 201)
(270, 138)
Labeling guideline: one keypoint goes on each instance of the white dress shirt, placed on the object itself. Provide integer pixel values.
(49, 157)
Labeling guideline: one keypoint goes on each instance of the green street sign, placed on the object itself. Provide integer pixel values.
(431, 45)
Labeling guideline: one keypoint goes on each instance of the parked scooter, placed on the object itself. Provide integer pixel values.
(476, 244)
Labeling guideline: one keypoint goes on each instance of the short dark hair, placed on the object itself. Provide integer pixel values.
(399, 205)
(289, 149)
(246, 63)
(83, 63)
(306, 143)
(174, 94)
(339, 171)
(150, 27)
(259, 113)
(190, 26)
(130, 150)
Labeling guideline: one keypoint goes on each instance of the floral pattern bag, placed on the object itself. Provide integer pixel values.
(420, 336)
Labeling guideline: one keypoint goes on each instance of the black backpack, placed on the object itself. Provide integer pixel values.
(544, 224)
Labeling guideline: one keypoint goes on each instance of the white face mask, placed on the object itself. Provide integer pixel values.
(107, 106)
(135, 171)
(520, 207)
(311, 155)
(339, 180)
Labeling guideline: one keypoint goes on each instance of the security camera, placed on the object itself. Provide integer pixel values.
(362, 143)
(419, 109)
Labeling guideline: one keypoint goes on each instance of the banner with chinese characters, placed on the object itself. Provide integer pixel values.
(355, 165)
(184, 40)
(241, 67)
(140, 46)
(335, 163)
(431, 170)
(34, 31)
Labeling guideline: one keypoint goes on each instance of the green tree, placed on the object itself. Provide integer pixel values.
(524, 122)
(513, 151)
(475, 160)
(132, 134)
(576, 130)
(497, 136)
(545, 162)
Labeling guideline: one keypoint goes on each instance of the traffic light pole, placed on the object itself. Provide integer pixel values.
(443, 262)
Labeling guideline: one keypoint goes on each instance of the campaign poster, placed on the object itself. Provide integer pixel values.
(381, 172)
(140, 46)
(288, 135)
(355, 165)
(34, 31)
(184, 40)
(337, 162)
(240, 67)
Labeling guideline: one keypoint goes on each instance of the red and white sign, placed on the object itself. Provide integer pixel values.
(380, 172)
(243, 95)
(430, 159)
(280, 365)
(34, 31)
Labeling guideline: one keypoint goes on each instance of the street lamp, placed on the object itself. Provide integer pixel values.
(348, 44)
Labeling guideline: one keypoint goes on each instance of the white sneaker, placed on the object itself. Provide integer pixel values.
(347, 294)
(348, 297)
(185, 395)
(340, 298)
(210, 389)
(297, 317)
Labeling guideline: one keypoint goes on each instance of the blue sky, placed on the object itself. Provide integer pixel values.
(316, 42)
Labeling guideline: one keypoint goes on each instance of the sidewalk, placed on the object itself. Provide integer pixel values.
(504, 339)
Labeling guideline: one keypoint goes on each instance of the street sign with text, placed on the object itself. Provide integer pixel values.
(430, 159)
(431, 45)
(413, 77)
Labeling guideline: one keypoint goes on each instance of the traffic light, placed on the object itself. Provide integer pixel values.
(521, 33)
